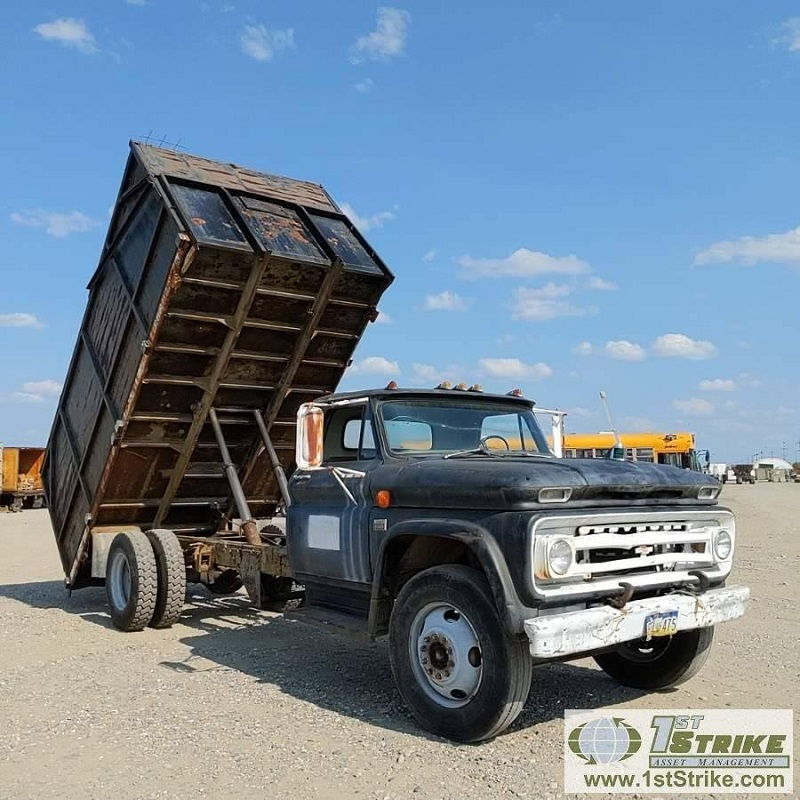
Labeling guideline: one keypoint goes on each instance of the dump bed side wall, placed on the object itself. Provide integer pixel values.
(124, 297)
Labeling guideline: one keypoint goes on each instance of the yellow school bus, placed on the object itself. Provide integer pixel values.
(675, 449)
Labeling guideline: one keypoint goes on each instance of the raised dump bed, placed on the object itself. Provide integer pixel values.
(218, 288)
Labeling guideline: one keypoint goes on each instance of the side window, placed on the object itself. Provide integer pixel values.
(348, 435)
(357, 437)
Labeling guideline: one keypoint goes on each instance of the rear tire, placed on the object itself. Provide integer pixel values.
(658, 663)
(171, 569)
(131, 581)
(459, 673)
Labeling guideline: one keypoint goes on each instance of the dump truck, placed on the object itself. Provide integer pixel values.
(21, 477)
(200, 438)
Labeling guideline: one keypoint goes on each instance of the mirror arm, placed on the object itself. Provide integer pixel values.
(343, 472)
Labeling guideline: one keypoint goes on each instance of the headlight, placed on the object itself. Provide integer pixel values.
(723, 544)
(559, 556)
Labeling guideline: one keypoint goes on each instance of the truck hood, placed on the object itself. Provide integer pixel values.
(509, 483)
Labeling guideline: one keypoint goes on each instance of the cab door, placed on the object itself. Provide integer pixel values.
(328, 533)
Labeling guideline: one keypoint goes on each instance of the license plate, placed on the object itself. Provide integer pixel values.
(665, 623)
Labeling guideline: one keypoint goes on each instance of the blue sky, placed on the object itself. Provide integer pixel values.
(573, 196)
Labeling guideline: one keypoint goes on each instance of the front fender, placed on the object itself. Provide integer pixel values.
(478, 541)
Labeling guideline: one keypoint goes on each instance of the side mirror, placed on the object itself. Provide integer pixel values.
(308, 447)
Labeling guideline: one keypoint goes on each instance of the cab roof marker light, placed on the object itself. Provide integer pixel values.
(444, 385)
(460, 387)
(391, 385)
(514, 393)
(476, 387)
(555, 494)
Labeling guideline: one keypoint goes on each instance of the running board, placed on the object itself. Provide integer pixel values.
(331, 620)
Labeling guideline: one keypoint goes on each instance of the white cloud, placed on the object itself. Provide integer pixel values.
(45, 387)
(429, 256)
(718, 385)
(601, 284)
(26, 397)
(262, 44)
(19, 320)
(583, 349)
(623, 350)
(387, 40)
(514, 368)
(366, 223)
(522, 263)
(791, 35)
(445, 301)
(545, 303)
(69, 32)
(33, 392)
(375, 365)
(426, 373)
(694, 406)
(778, 248)
(384, 318)
(679, 345)
(363, 86)
(579, 411)
(55, 223)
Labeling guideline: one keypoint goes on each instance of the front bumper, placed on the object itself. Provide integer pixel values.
(558, 635)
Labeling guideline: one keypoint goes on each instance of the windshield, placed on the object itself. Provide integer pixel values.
(439, 426)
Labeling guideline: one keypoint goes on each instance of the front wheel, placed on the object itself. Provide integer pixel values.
(460, 675)
(660, 662)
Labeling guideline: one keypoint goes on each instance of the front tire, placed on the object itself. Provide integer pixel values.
(460, 675)
(131, 581)
(659, 663)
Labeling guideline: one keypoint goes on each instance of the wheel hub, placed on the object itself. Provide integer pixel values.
(446, 654)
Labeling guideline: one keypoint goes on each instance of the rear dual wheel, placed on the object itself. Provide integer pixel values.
(145, 580)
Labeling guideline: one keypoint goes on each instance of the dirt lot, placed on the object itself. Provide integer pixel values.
(237, 703)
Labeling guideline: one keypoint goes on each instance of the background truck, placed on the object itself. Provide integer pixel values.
(197, 438)
(21, 477)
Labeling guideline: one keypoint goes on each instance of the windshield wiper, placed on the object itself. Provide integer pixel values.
(480, 451)
(475, 451)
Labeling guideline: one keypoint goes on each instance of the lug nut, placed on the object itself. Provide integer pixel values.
(438, 676)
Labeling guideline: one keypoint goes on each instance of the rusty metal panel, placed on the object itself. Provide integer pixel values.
(159, 161)
(217, 287)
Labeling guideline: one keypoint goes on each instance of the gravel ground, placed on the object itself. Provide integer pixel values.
(233, 702)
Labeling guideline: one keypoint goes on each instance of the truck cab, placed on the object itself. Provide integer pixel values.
(441, 518)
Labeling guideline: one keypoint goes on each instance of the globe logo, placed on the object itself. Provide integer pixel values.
(607, 740)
